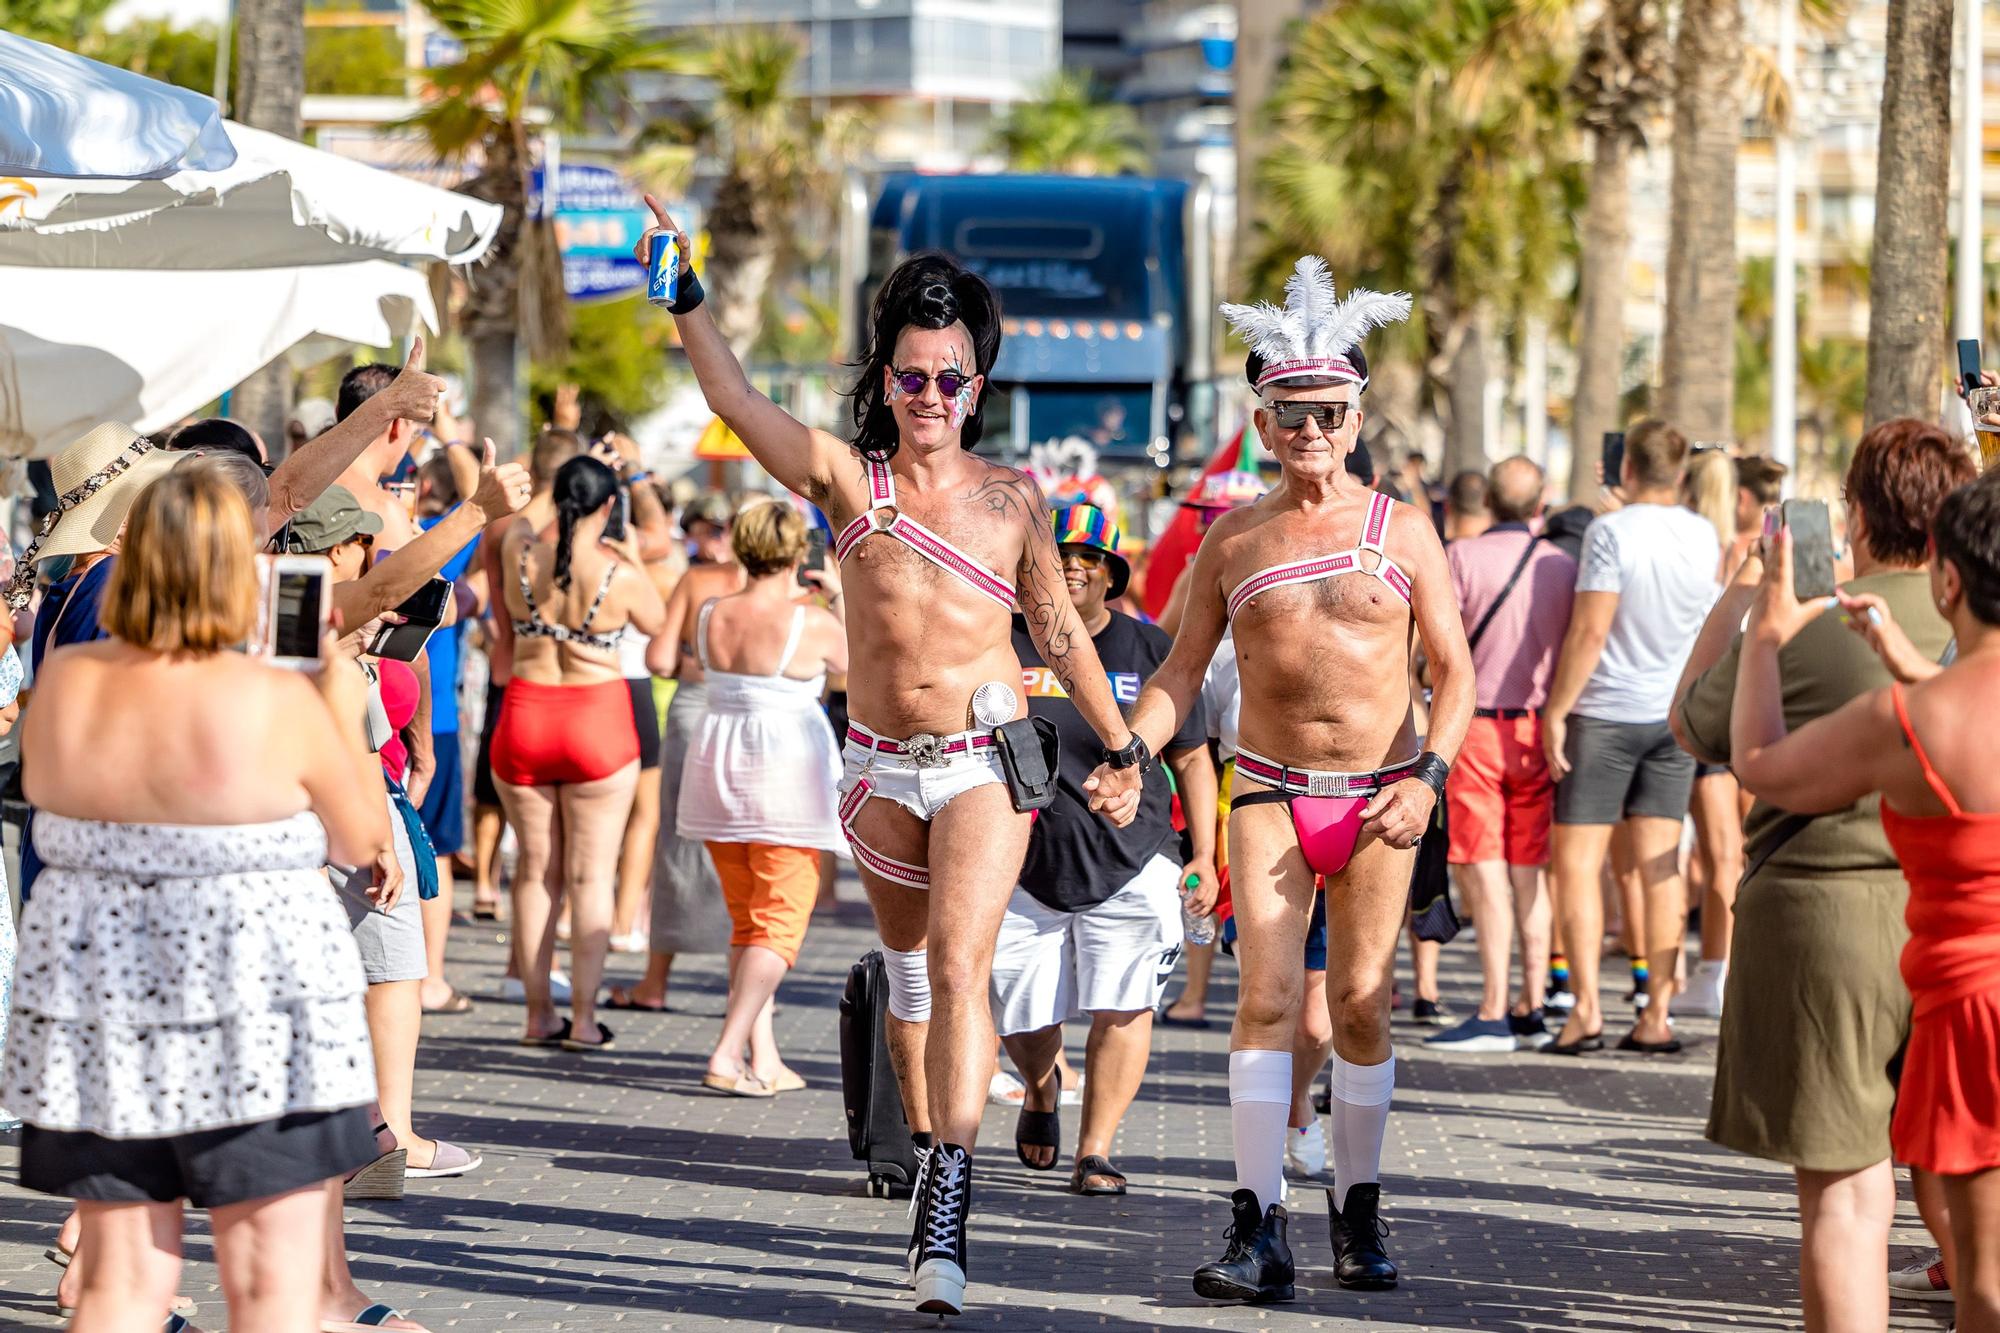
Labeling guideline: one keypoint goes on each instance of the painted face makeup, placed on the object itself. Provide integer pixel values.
(961, 406)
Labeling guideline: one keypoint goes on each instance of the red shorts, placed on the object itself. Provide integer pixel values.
(555, 735)
(1499, 796)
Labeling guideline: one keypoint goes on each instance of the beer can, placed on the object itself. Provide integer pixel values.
(663, 270)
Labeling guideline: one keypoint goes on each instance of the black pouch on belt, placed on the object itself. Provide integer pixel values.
(1028, 751)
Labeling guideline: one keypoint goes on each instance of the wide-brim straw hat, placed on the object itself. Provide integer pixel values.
(91, 516)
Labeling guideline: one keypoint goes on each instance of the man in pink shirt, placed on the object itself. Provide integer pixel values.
(1514, 593)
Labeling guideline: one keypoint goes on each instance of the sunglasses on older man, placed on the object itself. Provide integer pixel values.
(1292, 415)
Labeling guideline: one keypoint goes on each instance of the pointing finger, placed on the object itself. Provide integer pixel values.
(660, 212)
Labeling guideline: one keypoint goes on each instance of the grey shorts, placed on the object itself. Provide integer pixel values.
(391, 943)
(1621, 770)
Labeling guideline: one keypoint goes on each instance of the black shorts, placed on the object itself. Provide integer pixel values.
(1622, 770)
(646, 717)
(483, 790)
(211, 1168)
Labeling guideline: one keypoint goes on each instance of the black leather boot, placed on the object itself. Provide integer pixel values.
(1257, 1265)
(1359, 1260)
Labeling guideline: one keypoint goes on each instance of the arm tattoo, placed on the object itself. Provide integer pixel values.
(1043, 596)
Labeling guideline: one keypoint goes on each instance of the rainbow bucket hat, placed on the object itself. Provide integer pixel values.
(1087, 525)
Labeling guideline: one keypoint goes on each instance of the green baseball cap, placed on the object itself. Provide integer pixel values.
(334, 518)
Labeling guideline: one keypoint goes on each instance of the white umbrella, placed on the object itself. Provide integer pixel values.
(63, 115)
(81, 346)
(281, 204)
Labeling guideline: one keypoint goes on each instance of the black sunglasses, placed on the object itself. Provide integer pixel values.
(1087, 556)
(1292, 415)
(949, 382)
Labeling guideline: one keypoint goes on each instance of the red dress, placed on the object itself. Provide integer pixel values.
(1948, 1104)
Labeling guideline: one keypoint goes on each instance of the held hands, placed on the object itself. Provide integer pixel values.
(643, 251)
(1868, 616)
(503, 489)
(414, 395)
(1400, 813)
(1114, 792)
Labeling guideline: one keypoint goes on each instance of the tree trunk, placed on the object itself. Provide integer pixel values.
(742, 254)
(1698, 347)
(493, 303)
(1465, 445)
(1907, 300)
(1600, 339)
(270, 82)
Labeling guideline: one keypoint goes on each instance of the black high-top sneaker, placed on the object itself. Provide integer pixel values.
(941, 1242)
(1359, 1259)
(926, 1150)
(1257, 1265)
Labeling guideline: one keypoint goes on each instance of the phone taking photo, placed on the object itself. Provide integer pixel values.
(815, 558)
(296, 610)
(1811, 527)
(407, 629)
(1968, 364)
(1614, 457)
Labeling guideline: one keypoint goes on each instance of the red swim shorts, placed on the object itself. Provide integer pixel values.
(1501, 799)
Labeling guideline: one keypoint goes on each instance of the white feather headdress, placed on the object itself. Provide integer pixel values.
(1310, 336)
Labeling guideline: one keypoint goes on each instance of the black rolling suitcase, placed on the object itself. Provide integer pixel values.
(876, 1129)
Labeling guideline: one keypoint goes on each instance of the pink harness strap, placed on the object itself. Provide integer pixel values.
(888, 867)
(1373, 530)
(881, 500)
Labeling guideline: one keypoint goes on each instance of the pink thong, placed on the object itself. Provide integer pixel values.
(1327, 827)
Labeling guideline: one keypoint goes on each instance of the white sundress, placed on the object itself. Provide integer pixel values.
(763, 764)
(174, 978)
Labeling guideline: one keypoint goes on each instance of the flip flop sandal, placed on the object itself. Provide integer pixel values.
(447, 1160)
(486, 911)
(1038, 1129)
(743, 1085)
(625, 1003)
(605, 1041)
(1670, 1046)
(556, 1038)
(381, 1178)
(1094, 1167)
(375, 1316)
(459, 1003)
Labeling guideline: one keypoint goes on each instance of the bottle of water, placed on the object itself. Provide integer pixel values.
(1199, 929)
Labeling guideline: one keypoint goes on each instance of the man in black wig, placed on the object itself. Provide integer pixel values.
(939, 548)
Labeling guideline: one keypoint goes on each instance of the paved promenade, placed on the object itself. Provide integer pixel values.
(1524, 1192)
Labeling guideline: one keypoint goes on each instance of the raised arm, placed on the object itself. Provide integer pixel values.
(798, 456)
(391, 580)
(412, 396)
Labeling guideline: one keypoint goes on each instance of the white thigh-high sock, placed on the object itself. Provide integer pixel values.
(1260, 1109)
(1361, 1096)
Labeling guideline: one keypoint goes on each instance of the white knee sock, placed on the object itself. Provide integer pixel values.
(1361, 1096)
(1260, 1109)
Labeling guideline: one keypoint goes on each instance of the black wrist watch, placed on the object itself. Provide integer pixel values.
(1135, 754)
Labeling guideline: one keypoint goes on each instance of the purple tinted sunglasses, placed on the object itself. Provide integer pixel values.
(949, 382)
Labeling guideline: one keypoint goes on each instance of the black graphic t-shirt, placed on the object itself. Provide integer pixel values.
(1077, 859)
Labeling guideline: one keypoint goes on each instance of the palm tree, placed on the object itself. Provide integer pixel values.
(569, 58)
(1908, 301)
(779, 159)
(271, 83)
(1620, 80)
(1068, 130)
(1426, 148)
(1697, 377)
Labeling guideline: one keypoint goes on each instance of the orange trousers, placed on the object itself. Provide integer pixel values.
(770, 892)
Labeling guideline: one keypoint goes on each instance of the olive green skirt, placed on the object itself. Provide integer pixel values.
(1814, 1014)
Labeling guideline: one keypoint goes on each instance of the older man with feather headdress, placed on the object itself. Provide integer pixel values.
(1325, 585)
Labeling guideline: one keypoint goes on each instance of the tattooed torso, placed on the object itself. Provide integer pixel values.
(920, 640)
(1324, 667)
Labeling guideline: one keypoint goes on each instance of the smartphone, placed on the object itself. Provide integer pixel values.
(1812, 548)
(407, 629)
(297, 609)
(618, 522)
(1614, 457)
(1968, 363)
(815, 559)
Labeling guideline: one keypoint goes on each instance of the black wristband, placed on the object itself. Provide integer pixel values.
(1432, 771)
(688, 295)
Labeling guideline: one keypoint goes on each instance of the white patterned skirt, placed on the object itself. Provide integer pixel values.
(175, 978)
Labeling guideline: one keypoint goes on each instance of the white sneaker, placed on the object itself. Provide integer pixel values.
(1703, 996)
(1005, 1090)
(940, 1287)
(632, 942)
(1562, 1000)
(511, 988)
(1305, 1150)
(1921, 1281)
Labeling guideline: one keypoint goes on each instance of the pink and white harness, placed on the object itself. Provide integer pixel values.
(883, 516)
(1373, 533)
